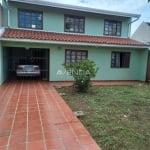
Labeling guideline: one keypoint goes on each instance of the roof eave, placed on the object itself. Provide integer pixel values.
(78, 8)
(72, 43)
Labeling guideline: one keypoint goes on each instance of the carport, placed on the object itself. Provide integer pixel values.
(14, 56)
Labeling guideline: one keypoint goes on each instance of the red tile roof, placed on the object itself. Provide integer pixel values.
(63, 37)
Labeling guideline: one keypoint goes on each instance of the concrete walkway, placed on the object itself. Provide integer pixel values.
(34, 117)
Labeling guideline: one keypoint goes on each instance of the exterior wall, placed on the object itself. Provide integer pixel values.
(5, 64)
(143, 65)
(95, 24)
(1, 64)
(4, 14)
(53, 19)
(101, 56)
(142, 33)
(0, 15)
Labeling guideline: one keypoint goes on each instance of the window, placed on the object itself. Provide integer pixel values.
(30, 19)
(120, 59)
(75, 55)
(112, 28)
(74, 24)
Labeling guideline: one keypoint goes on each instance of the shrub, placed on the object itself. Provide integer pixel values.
(82, 72)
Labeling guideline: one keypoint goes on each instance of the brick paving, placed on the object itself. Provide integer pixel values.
(34, 117)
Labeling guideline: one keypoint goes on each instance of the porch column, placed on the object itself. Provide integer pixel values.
(1, 68)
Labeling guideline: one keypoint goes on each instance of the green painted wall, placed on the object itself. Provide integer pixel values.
(101, 56)
(95, 24)
(5, 64)
(53, 19)
(57, 56)
(143, 64)
(1, 63)
(108, 73)
(4, 14)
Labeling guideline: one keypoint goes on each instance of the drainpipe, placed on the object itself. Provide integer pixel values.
(8, 14)
(129, 24)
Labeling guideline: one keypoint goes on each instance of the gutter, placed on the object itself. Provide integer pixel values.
(71, 43)
(129, 24)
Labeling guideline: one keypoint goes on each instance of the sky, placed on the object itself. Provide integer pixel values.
(141, 7)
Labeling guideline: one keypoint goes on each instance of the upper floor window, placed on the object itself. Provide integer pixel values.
(112, 28)
(30, 19)
(120, 59)
(75, 55)
(74, 24)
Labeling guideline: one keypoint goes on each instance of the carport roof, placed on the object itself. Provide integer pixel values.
(67, 38)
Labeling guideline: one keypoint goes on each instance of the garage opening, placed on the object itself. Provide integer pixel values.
(27, 56)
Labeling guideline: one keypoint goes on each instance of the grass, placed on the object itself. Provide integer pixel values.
(118, 117)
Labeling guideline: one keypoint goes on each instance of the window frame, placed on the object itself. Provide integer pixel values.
(73, 50)
(74, 17)
(121, 66)
(116, 30)
(30, 11)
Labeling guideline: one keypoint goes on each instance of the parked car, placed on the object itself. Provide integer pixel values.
(28, 70)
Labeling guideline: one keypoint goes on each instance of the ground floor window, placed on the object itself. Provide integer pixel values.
(72, 56)
(120, 59)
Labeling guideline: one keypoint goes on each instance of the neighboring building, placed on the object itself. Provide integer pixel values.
(50, 34)
(142, 33)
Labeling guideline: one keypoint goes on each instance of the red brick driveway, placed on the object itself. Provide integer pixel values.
(34, 117)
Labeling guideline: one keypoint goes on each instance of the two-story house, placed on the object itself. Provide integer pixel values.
(50, 34)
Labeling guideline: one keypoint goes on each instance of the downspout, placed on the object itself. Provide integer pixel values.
(8, 14)
(129, 24)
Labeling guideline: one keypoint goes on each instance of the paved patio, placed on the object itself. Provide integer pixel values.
(34, 117)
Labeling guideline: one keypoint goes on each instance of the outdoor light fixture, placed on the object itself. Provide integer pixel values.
(27, 48)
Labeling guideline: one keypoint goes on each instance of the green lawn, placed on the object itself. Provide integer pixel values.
(118, 117)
